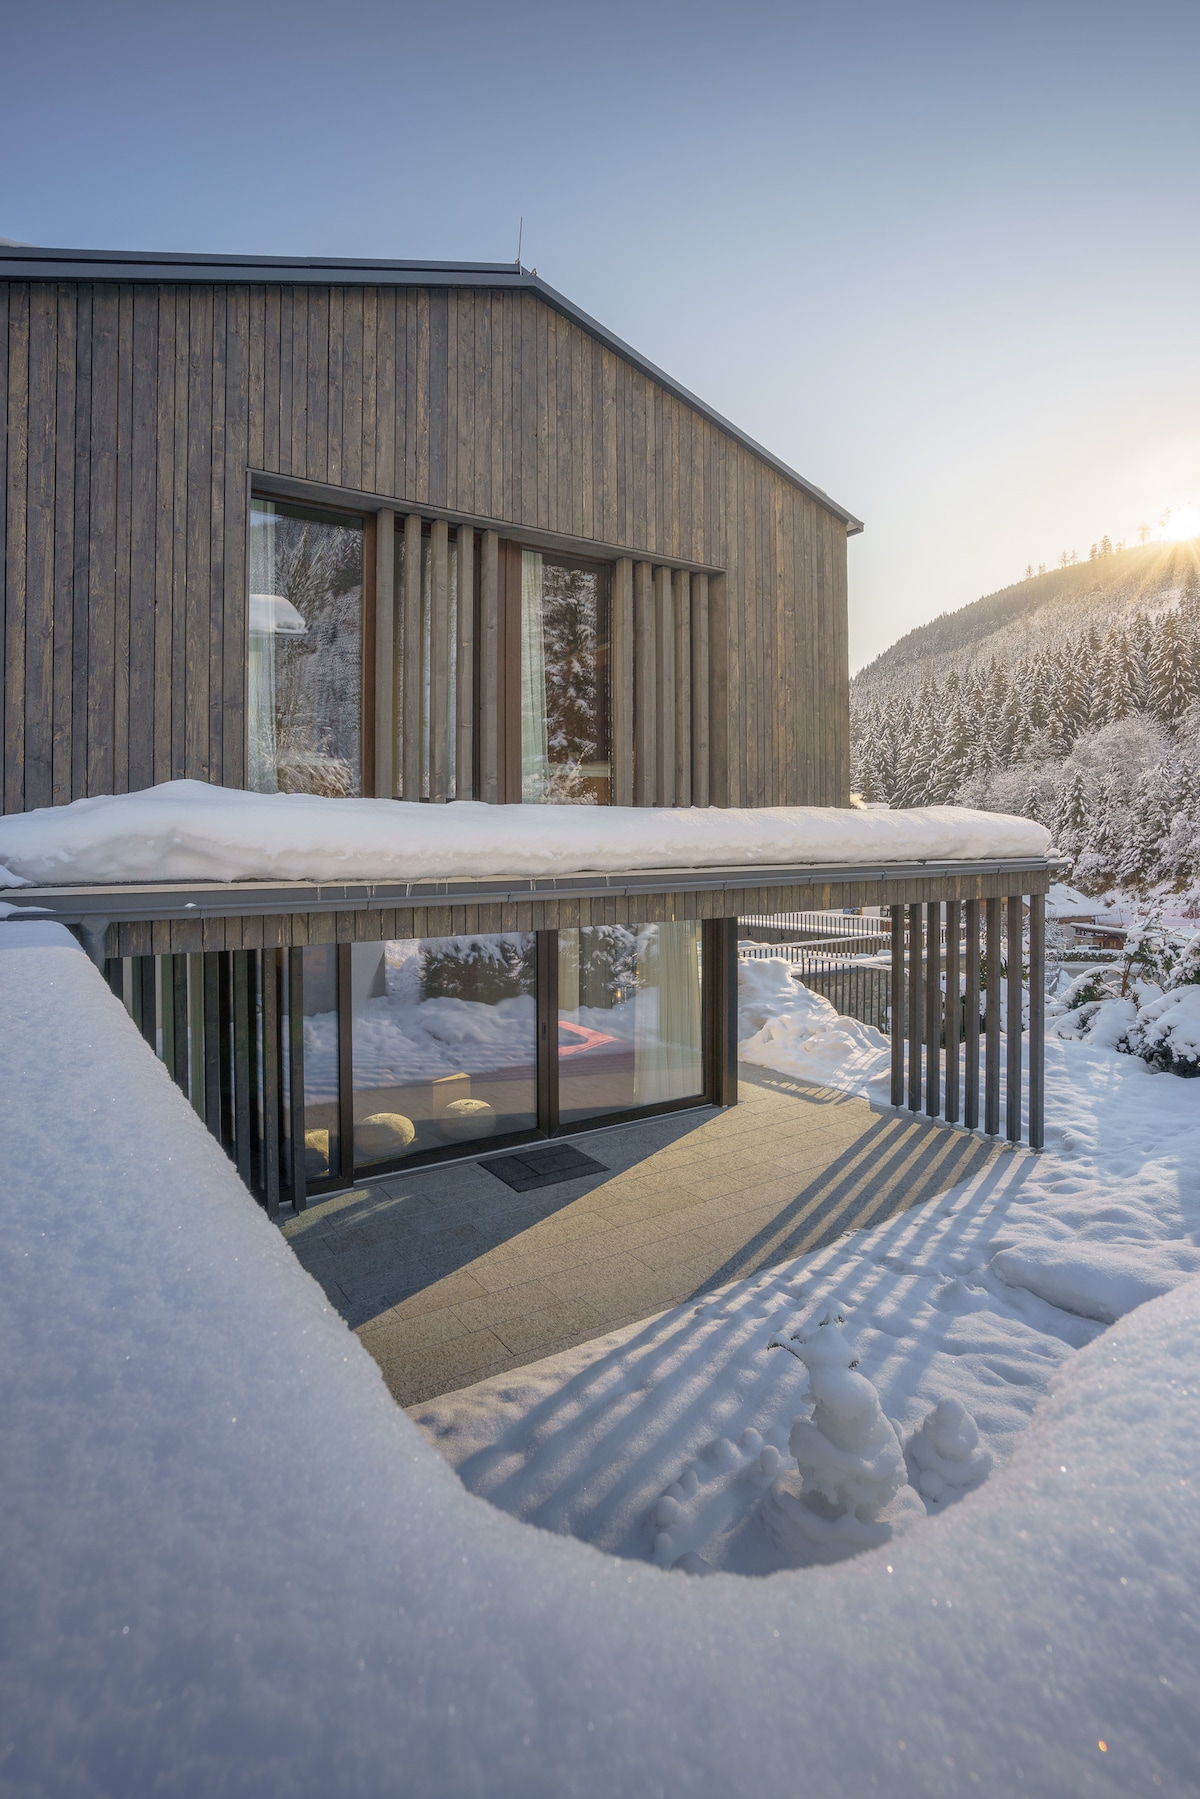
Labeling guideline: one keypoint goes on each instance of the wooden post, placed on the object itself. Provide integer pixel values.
(195, 1016)
(1012, 1096)
(439, 660)
(664, 656)
(916, 998)
(897, 998)
(295, 1098)
(489, 668)
(464, 710)
(1037, 1020)
(411, 661)
(724, 787)
(681, 599)
(700, 694)
(213, 960)
(241, 1061)
(271, 1064)
(644, 698)
(721, 994)
(953, 1010)
(991, 1091)
(385, 655)
(621, 657)
(971, 1014)
(933, 1008)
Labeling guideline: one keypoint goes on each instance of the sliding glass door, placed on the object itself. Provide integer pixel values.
(419, 1049)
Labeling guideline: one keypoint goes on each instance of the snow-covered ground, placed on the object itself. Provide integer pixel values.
(663, 1441)
(229, 1563)
(189, 831)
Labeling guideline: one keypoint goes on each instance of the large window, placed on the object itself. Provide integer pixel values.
(445, 1043)
(566, 755)
(421, 1048)
(305, 674)
(629, 1018)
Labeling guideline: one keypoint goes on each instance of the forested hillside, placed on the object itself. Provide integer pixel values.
(1072, 697)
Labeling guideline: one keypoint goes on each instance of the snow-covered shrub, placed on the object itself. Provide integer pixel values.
(1166, 1031)
(944, 1453)
(853, 1484)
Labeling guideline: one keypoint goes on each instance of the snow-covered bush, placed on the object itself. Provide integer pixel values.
(1166, 1031)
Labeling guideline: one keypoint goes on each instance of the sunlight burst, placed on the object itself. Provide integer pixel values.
(1180, 525)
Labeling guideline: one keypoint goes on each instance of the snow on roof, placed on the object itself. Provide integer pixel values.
(1066, 902)
(189, 831)
(228, 1562)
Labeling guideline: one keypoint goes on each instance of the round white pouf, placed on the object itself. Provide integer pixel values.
(467, 1118)
(382, 1136)
(316, 1154)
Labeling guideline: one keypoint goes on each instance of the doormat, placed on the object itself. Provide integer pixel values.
(544, 1167)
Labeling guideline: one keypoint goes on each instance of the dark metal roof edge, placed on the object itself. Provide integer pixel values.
(231, 899)
(48, 264)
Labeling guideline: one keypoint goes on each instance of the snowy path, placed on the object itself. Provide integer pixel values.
(979, 1296)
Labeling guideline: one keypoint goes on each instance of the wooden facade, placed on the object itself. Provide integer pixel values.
(142, 400)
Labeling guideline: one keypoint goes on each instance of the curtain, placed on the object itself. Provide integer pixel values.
(262, 772)
(668, 1058)
(535, 746)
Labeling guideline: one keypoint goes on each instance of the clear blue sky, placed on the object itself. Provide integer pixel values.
(944, 259)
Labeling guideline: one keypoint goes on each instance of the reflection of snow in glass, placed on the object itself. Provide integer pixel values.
(398, 1043)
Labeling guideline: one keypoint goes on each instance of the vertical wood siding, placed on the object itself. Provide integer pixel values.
(133, 414)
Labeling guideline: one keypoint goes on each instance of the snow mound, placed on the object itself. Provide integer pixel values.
(229, 1564)
(944, 1454)
(785, 1026)
(190, 831)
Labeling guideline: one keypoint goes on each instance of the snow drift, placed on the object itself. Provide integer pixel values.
(229, 1563)
(189, 831)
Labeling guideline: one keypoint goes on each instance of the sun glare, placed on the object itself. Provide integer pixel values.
(1179, 526)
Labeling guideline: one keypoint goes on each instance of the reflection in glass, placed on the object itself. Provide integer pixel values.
(565, 701)
(321, 1141)
(304, 686)
(629, 1018)
(445, 1043)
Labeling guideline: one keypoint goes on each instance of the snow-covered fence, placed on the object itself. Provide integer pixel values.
(870, 930)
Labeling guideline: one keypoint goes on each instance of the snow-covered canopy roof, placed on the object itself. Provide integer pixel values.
(189, 831)
(228, 1562)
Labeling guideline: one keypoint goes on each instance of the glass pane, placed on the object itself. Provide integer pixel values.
(565, 703)
(629, 1018)
(304, 691)
(445, 1043)
(321, 1145)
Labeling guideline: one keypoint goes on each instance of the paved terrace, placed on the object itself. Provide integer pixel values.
(450, 1276)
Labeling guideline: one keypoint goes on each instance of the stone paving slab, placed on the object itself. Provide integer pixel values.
(448, 1276)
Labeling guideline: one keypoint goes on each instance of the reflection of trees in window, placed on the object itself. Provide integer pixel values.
(575, 636)
(308, 730)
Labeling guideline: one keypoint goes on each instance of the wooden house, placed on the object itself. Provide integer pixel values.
(424, 532)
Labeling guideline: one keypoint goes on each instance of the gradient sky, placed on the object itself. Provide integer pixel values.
(943, 259)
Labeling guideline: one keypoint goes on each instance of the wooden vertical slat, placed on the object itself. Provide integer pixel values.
(410, 662)
(489, 668)
(385, 654)
(664, 656)
(721, 789)
(991, 1076)
(1012, 1094)
(195, 1019)
(241, 1061)
(147, 1005)
(971, 1018)
(1037, 1020)
(700, 692)
(271, 1057)
(897, 999)
(916, 1005)
(621, 657)
(953, 1011)
(345, 1018)
(439, 661)
(645, 716)
(212, 1042)
(681, 599)
(295, 1095)
(464, 711)
(933, 1009)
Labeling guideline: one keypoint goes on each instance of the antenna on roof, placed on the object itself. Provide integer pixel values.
(520, 238)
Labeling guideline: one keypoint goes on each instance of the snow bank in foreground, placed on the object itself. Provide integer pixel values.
(229, 1563)
(188, 831)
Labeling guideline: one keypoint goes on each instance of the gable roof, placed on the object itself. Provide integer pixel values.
(28, 262)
